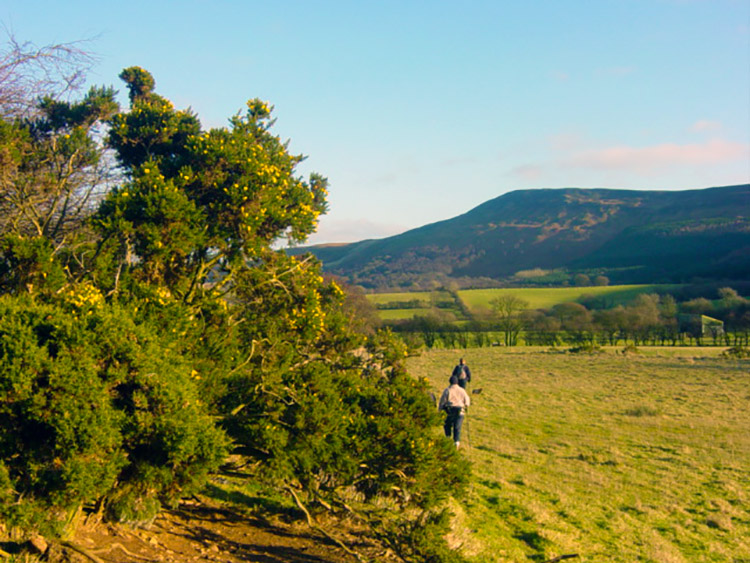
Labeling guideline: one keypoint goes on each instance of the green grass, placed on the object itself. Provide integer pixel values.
(399, 314)
(618, 458)
(383, 298)
(426, 301)
(544, 298)
(538, 298)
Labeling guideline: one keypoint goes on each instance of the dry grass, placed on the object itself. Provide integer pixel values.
(616, 458)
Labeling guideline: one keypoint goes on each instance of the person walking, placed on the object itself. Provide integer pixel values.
(454, 401)
(462, 373)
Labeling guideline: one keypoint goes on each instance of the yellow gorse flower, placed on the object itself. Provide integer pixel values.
(83, 296)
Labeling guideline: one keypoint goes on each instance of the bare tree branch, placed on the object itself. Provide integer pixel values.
(28, 73)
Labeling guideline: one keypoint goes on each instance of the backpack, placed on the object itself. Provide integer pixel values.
(459, 371)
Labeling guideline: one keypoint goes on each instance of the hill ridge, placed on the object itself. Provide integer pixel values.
(629, 235)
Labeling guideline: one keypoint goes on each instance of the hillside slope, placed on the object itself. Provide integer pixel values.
(628, 235)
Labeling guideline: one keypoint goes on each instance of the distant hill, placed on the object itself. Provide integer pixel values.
(627, 235)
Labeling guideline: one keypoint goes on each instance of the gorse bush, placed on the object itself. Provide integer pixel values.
(169, 333)
(332, 415)
(60, 440)
(90, 398)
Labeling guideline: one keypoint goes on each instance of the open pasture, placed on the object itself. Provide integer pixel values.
(406, 305)
(401, 314)
(618, 458)
(478, 300)
(384, 298)
(545, 298)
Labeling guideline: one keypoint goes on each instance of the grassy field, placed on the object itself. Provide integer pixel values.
(644, 457)
(381, 298)
(477, 300)
(544, 298)
(427, 298)
(399, 314)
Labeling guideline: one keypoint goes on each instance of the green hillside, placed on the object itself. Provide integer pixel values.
(630, 236)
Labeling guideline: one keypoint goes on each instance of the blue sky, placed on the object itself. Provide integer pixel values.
(418, 111)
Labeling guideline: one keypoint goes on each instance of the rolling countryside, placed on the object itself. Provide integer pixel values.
(630, 236)
(533, 345)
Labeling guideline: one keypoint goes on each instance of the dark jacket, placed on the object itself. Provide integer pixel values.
(462, 372)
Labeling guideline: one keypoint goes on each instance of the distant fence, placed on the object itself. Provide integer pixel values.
(465, 338)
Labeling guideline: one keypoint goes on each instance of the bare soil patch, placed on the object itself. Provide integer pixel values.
(203, 531)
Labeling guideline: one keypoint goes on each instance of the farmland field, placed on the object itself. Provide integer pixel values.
(477, 300)
(420, 303)
(543, 298)
(399, 314)
(641, 457)
(380, 298)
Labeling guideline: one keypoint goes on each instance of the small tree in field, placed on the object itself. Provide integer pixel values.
(601, 281)
(507, 309)
(581, 280)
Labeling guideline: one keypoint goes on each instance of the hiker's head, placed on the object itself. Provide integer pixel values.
(453, 380)
(461, 361)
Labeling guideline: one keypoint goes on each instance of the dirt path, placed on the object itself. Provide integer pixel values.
(203, 532)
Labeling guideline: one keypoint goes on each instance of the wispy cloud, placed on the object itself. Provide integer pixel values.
(528, 172)
(566, 142)
(572, 160)
(704, 125)
(658, 157)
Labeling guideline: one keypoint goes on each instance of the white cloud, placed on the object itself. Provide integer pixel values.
(571, 159)
(659, 157)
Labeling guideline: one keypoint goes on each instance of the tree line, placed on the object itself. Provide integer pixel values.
(651, 319)
(149, 327)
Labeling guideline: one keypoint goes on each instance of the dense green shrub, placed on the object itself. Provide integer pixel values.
(89, 398)
(28, 262)
(332, 416)
(205, 331)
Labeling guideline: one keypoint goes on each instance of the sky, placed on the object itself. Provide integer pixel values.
(418, 111)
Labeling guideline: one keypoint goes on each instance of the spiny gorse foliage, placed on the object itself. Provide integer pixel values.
(160, 330)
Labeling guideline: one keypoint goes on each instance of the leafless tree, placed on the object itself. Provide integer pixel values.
(53, 166)
(29, 72)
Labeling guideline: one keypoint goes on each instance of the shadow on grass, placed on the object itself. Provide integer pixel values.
(535, 541)
(490, 484)
(498, 453)
(11, 548)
